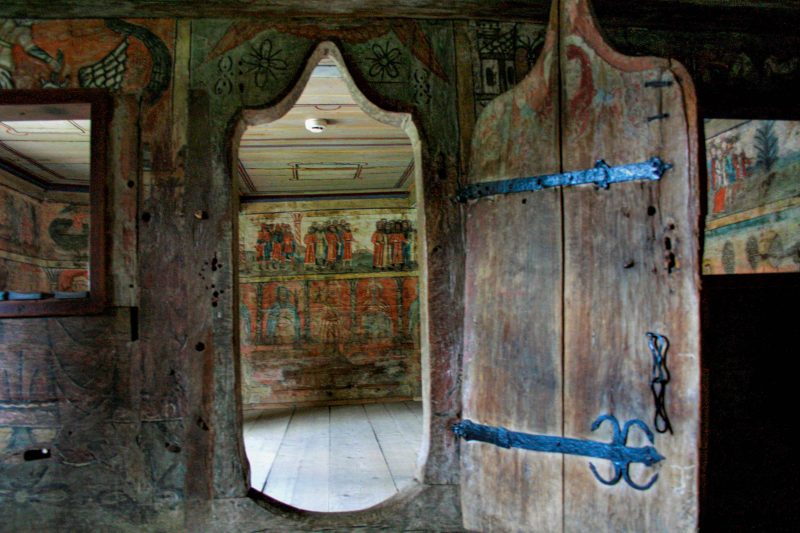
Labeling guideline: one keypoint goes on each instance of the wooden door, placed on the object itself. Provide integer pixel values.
(564, 284)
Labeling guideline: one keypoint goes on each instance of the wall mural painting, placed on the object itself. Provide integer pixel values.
(753, 222)
(122, 55)
(409, 34)
(44, 246)
(340, 339)
(19, 222)
(329, 305)
(301, 243)
(396, 61)
(503, 53)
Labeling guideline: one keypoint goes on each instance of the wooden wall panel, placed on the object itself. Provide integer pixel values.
(631, 267)
(124, 191)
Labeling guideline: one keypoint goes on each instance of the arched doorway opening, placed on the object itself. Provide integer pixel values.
(331, 289)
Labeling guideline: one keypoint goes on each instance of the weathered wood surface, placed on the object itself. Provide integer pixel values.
(513, 334)
(442, 281)
(124, 197)
(302, 469)
(425, 508)
(63, 392)
(631, 267)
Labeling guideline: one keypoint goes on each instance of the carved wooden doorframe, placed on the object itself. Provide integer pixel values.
(327, 50)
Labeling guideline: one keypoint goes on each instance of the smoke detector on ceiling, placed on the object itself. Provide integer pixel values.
(316, 125)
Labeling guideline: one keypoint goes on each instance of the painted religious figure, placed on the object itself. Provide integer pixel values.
(329, 317)
(376, 322)
(331, 246)
(397, 241)
(282, 319)
(347, 246)
(378, 244)
(310, 242)
(263, 244)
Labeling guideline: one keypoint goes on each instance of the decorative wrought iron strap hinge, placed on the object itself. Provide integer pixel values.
(601, 175)
(617, 451)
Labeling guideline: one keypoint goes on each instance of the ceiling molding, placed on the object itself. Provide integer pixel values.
(46, 186)
(251, 199)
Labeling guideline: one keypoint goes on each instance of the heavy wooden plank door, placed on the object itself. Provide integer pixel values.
(513, 307)
(564, 284)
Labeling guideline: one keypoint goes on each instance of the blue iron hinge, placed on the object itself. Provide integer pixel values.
(601, 175)
(617, 451)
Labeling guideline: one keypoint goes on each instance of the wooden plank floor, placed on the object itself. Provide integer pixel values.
(337, 458)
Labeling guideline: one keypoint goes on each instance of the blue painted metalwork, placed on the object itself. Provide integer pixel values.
(13, 295)
(601, 175)
(659, 345)
(617, 451)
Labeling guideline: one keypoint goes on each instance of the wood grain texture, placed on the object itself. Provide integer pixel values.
(124, 196)
(512, 347)
(398, 429)
(166, 415)
(628, 270)
(300, 474)
(259, 9)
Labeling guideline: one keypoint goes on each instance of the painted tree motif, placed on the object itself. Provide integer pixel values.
(766, 144)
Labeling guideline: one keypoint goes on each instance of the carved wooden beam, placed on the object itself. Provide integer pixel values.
(746, 15)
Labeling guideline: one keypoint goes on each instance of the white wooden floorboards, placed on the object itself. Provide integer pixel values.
(337, 458)
(262, 438)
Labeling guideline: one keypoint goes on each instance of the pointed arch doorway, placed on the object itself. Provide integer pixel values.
(330, 285)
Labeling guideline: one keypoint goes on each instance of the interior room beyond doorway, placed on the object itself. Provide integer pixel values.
(329, 301)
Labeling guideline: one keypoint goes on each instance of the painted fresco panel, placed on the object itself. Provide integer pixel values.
(19, 223)
(329, 305)
(328, 242)
(399, 61)
(44, 245)
(339, 338)
(753, 222)
(132, 56)
(502, 54)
